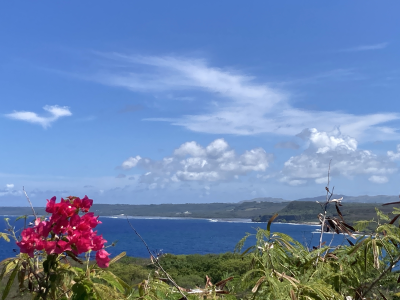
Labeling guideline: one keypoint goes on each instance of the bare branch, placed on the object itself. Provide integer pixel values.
(325, 206)
(155, 260)
(29, 200)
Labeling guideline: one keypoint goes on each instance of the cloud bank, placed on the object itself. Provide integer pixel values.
(192, 162)
(346, 160)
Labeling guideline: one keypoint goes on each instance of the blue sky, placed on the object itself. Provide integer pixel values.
(176, 102)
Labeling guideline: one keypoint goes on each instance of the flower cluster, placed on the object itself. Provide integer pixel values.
(66, 231)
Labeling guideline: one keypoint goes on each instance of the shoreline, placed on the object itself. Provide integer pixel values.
(215, 220)
(231, 220)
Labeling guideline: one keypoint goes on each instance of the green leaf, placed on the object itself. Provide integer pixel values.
(118, 257)
(141, 288)
(21, 217)
(21, 277)
(112, 280)
(10, 282)
(46, 264)
(240, 244)
(4, 236)
(362, 225)
(247, 250)
(7, 267)
(82, 291)
(381, 215)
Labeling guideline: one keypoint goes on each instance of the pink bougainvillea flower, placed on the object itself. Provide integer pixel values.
(77, 203)
(43, 228)
(66, 230)
(60, 226)
(28, 241)
(50, 246)
(37, 221)
(98, 242)
(65, 209)
(50, 205)
(39, 244)
(90, 220)
(102, 258)
(27, 248)
(74, 221)
(83, 244)
(61, 247)
(86, 204)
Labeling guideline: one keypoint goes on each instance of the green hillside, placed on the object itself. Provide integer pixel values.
(307, 211)
(245, 210)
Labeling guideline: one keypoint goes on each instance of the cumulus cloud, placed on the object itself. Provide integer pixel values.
(120, 176)
(193, 162)
(54, 113)
(244, 106)
(131, 162)
(346, 158)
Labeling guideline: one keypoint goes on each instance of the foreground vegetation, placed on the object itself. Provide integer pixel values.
(189, 271)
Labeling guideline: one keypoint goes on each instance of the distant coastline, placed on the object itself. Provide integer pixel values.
(228, 220)
(303, 211)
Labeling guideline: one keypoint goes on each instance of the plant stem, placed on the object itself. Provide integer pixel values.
(29, 200)
(157, 262)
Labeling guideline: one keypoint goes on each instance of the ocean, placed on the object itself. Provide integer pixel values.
(182, 236)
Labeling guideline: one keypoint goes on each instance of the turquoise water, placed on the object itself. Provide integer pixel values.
(183, 236)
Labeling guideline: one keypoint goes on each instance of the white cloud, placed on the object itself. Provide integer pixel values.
(131, 162)
(9, 190)
(55, 112)
(394, 155)
(366, 47)
(378, 179)
(190, 148)
(192, 162)
(322, 180)
(292, 182)
(244, 106)
(346, 158)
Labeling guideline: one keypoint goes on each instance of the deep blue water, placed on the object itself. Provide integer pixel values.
(181, 236)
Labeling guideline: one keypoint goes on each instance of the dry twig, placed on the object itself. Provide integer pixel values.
(157, 263)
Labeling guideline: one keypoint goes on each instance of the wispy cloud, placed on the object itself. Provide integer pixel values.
(55, 112)
(366, 47)
(236, 103)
